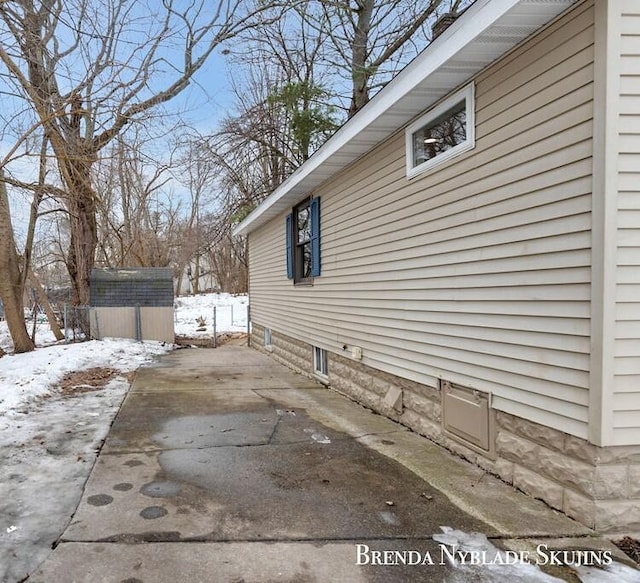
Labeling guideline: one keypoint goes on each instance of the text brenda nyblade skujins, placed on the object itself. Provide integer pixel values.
(453, 555)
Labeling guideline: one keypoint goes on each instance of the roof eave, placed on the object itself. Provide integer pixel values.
(485, 32)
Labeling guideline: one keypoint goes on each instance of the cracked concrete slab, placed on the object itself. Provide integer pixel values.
(271, 474)
(285, 562)
(254, 377)
(201, 419)
(221, 461)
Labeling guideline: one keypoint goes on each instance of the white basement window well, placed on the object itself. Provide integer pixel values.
(267, 339)
(443, 132)
(320, 362)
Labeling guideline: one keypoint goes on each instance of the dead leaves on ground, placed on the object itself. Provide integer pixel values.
(630, 546)
(91, 379)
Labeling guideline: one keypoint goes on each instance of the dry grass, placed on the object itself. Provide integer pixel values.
(203, 342)
(85, 381)
(630, 546)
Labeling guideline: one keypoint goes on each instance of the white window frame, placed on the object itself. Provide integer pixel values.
(320, 362)
(267, 339)
(466, 94)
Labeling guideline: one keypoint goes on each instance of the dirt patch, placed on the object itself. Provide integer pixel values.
(235, 338)
(188, 341)
(202, 342)
(91, 379)
(630, 547)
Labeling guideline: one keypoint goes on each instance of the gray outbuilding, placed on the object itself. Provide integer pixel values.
(132, 303)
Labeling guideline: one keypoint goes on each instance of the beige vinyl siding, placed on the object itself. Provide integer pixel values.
(626, 397)
(477, 271)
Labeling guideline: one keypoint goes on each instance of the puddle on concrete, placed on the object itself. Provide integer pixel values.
(304, 480)
(123, 487)
(151, 512)
(133, 463)
(100, 500)
(160, 489)
(200, 431)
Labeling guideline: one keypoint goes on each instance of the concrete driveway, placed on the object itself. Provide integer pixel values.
(223, 465)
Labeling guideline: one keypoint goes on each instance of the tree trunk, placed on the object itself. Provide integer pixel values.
(46, 306)
(178, 291)
(360, 74)
(11, 285)
(83, 226)
(196, 276)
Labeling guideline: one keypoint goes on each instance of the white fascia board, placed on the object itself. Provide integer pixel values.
(380, 112)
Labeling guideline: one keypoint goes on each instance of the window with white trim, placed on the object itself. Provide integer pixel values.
(267, 338)
(443, 132)
(320, 361)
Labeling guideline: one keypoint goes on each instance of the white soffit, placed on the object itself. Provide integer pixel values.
(485, 32)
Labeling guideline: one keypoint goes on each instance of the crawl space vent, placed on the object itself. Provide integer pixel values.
(467, 416)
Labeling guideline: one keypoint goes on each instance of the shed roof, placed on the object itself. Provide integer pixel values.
(132, 274)
(485, 32)
(131, 287)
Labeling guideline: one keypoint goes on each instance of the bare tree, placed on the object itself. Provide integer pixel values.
(12, 276)
(373, 39)
(16, 270)
(88, 69)
(294, 70)
(197, 172)
(284, 111)
(253, 148)
(227, 258)
(136, 216)
(288, 86)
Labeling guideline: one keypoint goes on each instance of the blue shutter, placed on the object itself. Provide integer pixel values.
(289, 235)
(315, 237)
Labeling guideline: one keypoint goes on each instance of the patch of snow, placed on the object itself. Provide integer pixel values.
(47, 450)
(498, 571)
(25, 377)
(497, 568)
(613, 573)
(230, 314)
(44, 336)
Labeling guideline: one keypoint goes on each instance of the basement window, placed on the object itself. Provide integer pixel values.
(267, 339)
(320, 362)
(442, 133)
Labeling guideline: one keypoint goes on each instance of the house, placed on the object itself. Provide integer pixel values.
(463, 255)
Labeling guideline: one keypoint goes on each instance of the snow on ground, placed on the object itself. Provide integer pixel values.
(496, 570)
(230, 314)
(496, 566)
(44, 335)
(49, 440)
(47, 450)
(25, 377)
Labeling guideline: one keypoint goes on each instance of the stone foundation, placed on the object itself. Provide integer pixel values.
(599, 487)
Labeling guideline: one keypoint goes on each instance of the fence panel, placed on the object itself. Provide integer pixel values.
(77, 323)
